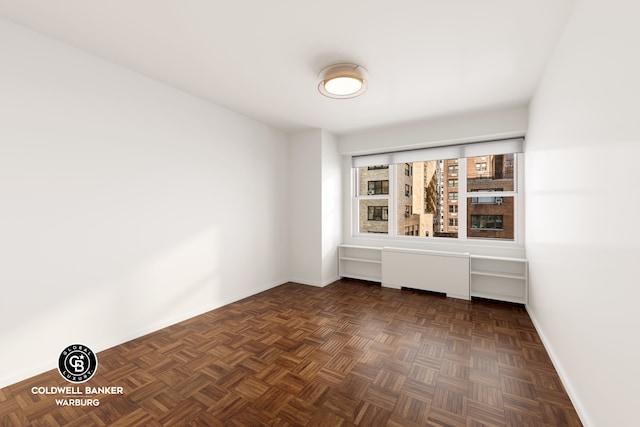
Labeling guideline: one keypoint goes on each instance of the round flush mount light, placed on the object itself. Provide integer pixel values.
(343, 81)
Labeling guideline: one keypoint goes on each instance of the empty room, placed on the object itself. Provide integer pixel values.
(338, 213)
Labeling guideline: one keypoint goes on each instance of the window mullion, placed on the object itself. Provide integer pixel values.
(518, 214)
(355, 206)
(462, 198)
(392, 200)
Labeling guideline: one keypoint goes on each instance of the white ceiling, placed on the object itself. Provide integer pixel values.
(261, 58)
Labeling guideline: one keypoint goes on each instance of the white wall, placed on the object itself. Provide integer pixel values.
(305, 211)
(472, 126)
(315, 207)
(331, 207)
(126, 205)
(583, 241)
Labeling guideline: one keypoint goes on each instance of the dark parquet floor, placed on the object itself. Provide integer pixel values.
(351, 353)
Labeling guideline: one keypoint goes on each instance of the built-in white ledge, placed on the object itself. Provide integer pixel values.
(457, 274)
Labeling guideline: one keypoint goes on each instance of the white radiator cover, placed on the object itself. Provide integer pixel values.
(436, 271)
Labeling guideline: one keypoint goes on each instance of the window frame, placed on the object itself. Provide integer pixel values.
(463, 195)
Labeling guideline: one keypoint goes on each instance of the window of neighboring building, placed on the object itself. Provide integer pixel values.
(412, 230)
(378, 187)
(378, 213)
(487, 222)
(485, 200)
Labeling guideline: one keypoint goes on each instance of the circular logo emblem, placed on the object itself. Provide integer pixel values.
(77, 363)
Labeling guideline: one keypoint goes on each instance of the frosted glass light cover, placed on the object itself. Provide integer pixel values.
(343, 85)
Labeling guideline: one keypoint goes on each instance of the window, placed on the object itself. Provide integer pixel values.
(378, 187)
(408, 169)
(412, 230)
(490, 222)
(378, 213)
(474, 194)
(491, 207)
(486, 200)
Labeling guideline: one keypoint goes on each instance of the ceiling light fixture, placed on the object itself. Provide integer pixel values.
(343, 81)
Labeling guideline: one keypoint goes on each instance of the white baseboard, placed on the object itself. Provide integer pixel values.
(573, 396)
(316, 284)
(330, 281)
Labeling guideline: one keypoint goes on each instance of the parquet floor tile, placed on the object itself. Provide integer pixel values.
(349, 354)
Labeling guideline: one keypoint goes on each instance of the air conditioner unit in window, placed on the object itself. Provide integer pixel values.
(499, 200)
(407, 214)
(371, 192)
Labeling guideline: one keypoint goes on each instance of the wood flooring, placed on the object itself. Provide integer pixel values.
(351, 353)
